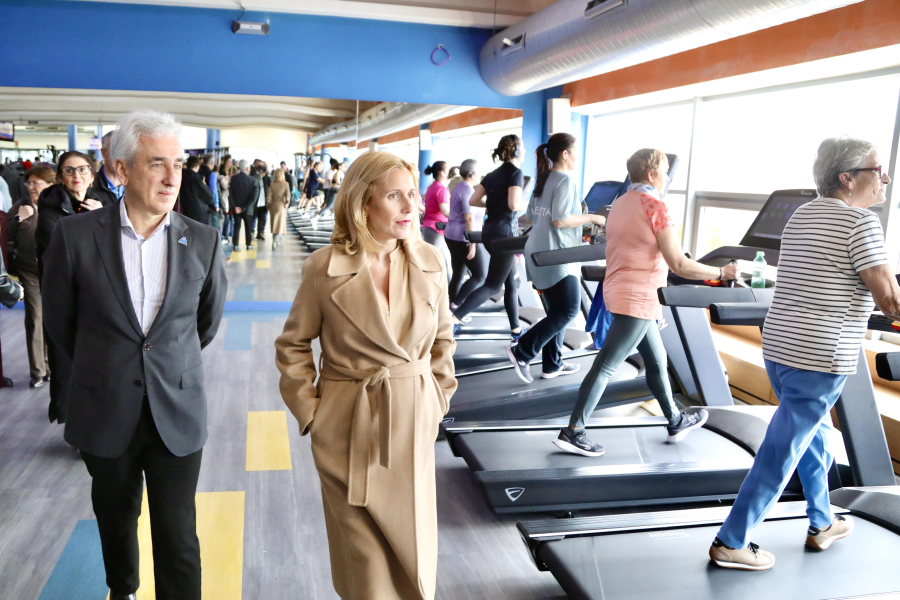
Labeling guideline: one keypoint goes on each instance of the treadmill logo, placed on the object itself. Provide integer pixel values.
(667, 535)
(514, 493)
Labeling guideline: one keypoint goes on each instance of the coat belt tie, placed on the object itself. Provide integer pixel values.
(362, 434)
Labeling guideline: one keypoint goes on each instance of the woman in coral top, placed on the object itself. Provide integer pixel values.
(641, 248)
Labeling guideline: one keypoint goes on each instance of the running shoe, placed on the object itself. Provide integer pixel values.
(821, 539)
(523, 369)
(688, 423)
(456, 328)
(577, 442)
(515, 336)
(750, 558)
(566, 369)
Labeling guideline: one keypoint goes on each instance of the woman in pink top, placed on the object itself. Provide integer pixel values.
(437, 208)
(641, 248)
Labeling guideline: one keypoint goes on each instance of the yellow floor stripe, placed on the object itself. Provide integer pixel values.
(238, 256)
(262, 264)
(220, 528)
(268, 448)
(250, 254)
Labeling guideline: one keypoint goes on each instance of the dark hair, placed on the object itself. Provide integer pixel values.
(438, 166)
(65, 156)
(41, 172)
(334, 163)
(192, 161)
(551, 151)
(454, 172)
(507, 149)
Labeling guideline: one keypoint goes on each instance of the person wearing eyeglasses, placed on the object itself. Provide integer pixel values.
(832, 273)
(73, 194)
(22, 225)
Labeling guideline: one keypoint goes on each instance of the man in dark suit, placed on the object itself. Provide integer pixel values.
(196, 198)
(132, 293)
(243, 195)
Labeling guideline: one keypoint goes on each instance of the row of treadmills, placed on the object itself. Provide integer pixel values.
(638, 521)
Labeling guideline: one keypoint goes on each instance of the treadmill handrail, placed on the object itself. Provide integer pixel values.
(887, 365)
(474, 237)
(509, 245)
(593, 272)
(550, 424)
(565, 256)
(738, 313)
(703, 296)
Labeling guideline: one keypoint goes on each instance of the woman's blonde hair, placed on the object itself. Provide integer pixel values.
(350, 230)
(642, 162)
(279, 175)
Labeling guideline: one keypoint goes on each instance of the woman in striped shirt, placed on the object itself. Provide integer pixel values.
(832, 264)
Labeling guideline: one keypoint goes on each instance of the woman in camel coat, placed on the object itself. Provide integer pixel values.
(377, 300)
(277, 202)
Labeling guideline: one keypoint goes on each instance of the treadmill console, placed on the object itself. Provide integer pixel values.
(767, 228)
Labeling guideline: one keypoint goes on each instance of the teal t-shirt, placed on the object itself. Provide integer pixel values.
(558, 201)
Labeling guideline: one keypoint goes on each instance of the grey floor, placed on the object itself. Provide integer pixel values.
(45, 489)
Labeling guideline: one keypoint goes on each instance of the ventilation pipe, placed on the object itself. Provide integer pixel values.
(384, 119)
(574, 39)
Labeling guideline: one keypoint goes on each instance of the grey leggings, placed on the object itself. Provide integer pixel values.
(434, 238)
(624, 334)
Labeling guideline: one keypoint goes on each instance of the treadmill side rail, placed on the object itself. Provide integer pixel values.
(879, 504)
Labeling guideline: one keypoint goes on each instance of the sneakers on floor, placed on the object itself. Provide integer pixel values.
(577, 442)
(688, 423)
(750, 558)
(523, 369)
(821, 539)
(566, 369)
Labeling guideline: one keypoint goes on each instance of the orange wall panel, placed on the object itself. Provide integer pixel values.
(865, 26)
(471, 118)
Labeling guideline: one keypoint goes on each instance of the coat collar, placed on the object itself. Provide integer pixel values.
(359, 292)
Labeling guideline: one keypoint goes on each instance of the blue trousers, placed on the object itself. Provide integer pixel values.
(795, 440)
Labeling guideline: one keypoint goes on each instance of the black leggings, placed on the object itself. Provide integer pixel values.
(478, 266)
(501, 273)
(330, 195)
(563, 300)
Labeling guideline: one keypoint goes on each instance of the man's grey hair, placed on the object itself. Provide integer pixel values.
(208, 158)
(106, 140)
(141, 123)
(836, 156)
(243, 165)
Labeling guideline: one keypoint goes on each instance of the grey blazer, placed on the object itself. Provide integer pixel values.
(89, 315)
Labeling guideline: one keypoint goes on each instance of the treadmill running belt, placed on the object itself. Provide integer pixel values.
(674, 564)
(527, 450)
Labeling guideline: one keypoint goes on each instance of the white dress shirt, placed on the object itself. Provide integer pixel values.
(146, 267)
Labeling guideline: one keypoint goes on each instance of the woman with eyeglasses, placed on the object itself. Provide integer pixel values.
(73, 194)
(22, 227)
(832, 272)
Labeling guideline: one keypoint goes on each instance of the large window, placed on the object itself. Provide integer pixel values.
(475, 142)
(614, 138)
(763, 142)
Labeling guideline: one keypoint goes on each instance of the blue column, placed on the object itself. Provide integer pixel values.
(96, 153)
(579, 130)
(425, 157)
(212, 138)
(73, 137)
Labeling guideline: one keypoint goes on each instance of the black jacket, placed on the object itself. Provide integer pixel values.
(55, 203)
(9, 290)
(101, 188)
(20, 236)
(244, 192)
(89, 316)
(196, 198)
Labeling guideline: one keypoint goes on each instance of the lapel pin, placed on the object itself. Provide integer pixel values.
(183, 241)
(433, 307)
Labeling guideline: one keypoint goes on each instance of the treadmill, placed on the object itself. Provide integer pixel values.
(595, 557)
(520, 470)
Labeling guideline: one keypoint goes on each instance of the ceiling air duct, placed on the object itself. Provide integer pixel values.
(384, 119)
(574, 39)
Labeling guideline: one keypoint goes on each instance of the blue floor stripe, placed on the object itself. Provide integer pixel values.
(243, 292)
(79, 573)
(257, 306)
(239, 333)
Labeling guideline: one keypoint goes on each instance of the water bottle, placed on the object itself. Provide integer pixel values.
(759, 271)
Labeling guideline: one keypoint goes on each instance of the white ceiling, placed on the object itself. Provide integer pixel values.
(463, 13)
(221, 111)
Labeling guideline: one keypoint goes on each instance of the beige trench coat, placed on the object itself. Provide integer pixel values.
(373, 416)
(277, 202)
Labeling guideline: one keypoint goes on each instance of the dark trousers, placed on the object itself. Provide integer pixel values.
(501, 273)
(247, 221)
(459, 261)
(330, 195)
(563, 299)
(260, 217)
(116, 491)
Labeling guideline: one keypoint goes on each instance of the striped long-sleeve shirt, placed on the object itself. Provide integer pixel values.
(821, 307)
